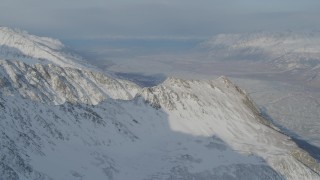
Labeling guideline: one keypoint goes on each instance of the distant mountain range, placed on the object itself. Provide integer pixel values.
(291, 52)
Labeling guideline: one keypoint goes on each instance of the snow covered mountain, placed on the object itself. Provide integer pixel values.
(59, 122)
(55, 84)
(292, 52)
(287, 50)
(19, 45)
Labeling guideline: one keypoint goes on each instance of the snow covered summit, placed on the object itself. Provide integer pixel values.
(19, 45)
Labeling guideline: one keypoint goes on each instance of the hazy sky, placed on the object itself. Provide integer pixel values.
(157, 18)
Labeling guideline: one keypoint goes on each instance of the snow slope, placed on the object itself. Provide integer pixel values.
(178, 129)
(60, 122)
(292, 107)
(19, 45)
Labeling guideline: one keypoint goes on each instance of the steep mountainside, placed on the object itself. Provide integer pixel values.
(58, 122)
(179, 129)
(52, 83)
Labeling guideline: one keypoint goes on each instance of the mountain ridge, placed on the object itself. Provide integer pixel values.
(31, 49)
(62, 122)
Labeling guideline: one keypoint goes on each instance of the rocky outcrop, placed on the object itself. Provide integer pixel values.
(55, 84)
